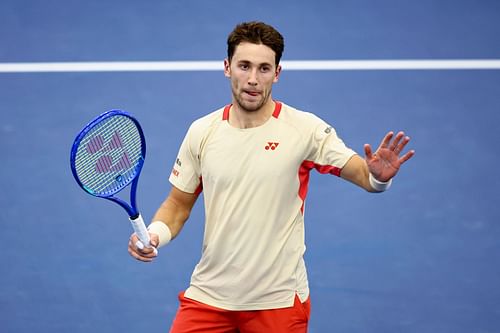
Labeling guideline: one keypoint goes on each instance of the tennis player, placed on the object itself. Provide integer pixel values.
(252, 160)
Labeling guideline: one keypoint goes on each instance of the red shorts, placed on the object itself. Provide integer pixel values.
(196, 317)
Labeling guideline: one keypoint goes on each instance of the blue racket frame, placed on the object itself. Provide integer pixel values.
(132, 208)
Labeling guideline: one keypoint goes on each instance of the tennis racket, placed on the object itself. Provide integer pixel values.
(107, 155)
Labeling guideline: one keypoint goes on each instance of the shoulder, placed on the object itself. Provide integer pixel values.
(303, 121)
(207, 121)
(201, 126)
(200, 129)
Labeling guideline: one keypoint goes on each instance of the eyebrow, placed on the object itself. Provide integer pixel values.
(249, 62)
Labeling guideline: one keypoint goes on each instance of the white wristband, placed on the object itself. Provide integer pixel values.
(377, 185)
(163, 232)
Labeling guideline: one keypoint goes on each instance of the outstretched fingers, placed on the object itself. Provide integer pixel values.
(399, 144)
(386, 140)
(406, 156)
(368, 152)
(395, 145)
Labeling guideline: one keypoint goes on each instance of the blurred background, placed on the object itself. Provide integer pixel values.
(422, 257)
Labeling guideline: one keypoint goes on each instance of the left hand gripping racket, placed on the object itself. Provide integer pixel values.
(107, 155)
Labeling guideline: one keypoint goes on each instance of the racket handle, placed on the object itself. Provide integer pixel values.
(141, 232)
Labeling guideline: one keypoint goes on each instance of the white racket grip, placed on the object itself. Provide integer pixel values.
(141, 232)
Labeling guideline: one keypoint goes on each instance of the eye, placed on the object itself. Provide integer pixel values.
(265, 69)
(244, 67)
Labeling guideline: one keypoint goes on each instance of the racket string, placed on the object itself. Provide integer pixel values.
(109, 155)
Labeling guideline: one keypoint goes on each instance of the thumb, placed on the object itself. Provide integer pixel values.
(154, 239)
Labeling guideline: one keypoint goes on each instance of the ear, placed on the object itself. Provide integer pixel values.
(277, 74)
(227, 68)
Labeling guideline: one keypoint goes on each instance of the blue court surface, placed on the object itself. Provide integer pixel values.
(422, 257)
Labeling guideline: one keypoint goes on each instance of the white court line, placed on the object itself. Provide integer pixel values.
(295, 65)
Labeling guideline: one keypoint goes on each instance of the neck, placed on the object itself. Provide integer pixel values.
(241, 118)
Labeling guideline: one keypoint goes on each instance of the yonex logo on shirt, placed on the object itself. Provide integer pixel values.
(271, 145)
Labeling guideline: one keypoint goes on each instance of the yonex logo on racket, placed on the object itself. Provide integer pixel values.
(271, 145)
(105, 163)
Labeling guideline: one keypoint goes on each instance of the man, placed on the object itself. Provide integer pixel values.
(252, 160)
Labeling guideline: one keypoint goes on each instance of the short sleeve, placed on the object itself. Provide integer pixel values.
(328, 150)
(186, 174)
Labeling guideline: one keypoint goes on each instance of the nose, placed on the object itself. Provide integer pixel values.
(252, 77)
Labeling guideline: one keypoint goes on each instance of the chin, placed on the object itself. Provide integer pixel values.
(251, 106)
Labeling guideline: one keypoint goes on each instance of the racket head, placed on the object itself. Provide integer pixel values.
(108, 153)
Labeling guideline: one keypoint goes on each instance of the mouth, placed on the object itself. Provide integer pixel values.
(251, 93)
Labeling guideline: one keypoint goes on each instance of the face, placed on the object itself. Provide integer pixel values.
(252, 72)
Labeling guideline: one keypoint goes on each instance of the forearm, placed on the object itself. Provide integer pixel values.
(173, 215)
(175, 210)
(356, 171)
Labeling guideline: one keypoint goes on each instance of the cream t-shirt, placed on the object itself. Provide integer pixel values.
(254, 184)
